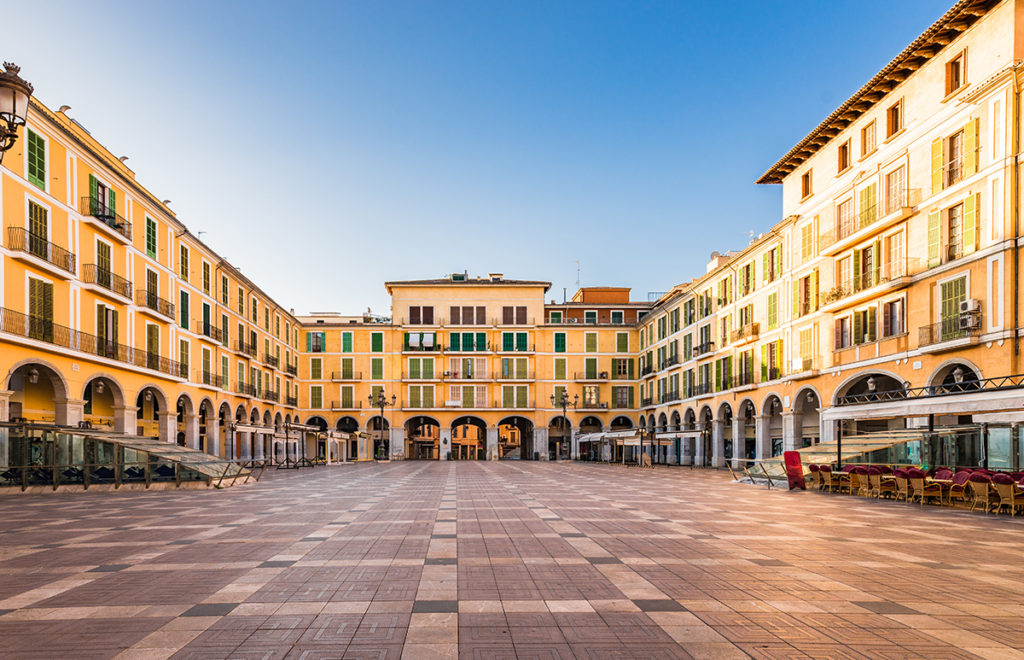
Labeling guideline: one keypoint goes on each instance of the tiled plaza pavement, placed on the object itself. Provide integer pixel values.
(503, 560)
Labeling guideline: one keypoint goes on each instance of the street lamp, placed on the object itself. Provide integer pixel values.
(563, 401)
(381, 402)
(14, 96)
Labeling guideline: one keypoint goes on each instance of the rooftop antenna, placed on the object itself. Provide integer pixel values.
(577, 273)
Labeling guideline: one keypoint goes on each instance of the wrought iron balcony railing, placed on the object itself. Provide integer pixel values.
(949, 329)
(93, 274)
(209, 378)
(98, 209)
(144, 298)
(291, 400)
(22, 240)
(292, 369)
(346, 375)
(248, 349)
(209, 330)
(271, 360)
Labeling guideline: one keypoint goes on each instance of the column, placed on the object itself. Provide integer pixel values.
(540, 443)
(574, 447)
(739, 442)
(259, 453)
(167, 426)
(493, 450)
(445, 444)
(698, 445)
(396, 443)
(243, 440)
(718, 443)
(826, 428)
(685, 451)
(762, 434)
(68, 412)
(5, 416)
(212, 436)
(792, 430)
(126, 419)
(192, 431)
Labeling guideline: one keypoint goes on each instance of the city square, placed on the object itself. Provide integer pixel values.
(500, 560)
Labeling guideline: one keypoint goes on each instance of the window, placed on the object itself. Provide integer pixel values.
(183, 263)
(864, 326)
(241, 301)
(421, 315)
(266, 318)
(277, 326)
(590, 342)
(953, 167)
(183, 356)
(956, 71)
(513, 315)
(867, 139)
(421, 396)
(514, 368)
(805, 184)
(954, 232)
(224, 329)
(590, 316)
(618, 317)
(183, 309)
(555, 317)
(346, 342)
(844, 156)
(746, 316)
(559, 342)
(316, 342)
(377, 368)
(315, 368)
(622, 397)
(254, 309)
(893, 322)
(316, 396)
(206, 278)
(224, 289)
(40, 309)
(689, 309)
(151, 238)
(622, 368)
(952, 293)
(559, 368)
(591, 396)
(771, 262)
(347, 396)
(673, 316)
(773, 311)
(771, 358)
(662, 327)
(514, 341)
(224, 371)
(36, 159)
(746, 279)
(347, 368)
(844, 219)
(896, 255)
(467, 315)
(421, 368)
(806, 242)
(377, 342)
(621, 342)
(895, 190)
(805, 294)
(894, 119)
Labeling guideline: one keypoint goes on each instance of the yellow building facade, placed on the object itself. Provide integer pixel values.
(886, 299)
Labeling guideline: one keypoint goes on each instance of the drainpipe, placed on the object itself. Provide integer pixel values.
(1016, 215)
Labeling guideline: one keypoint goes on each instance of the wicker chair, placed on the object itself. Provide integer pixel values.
(1008, 493)
(902, 485)
(982, 494)
(815, 476)
(828, 483)
(859, 482)
(958, 491)
(920, 490)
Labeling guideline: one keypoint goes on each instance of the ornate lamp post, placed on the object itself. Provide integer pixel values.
(14, 96)
(563, 401)
(382, 402)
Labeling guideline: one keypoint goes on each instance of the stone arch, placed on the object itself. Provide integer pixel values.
(51, 372)
(517, 437)
(224, 424)
(317, 421)
(254, 416)
(278, 422)
(104, 403)
(801, 401)
(422, 437)
(153, 414)
(621, 423)
(186, 429)
(591, 424)
(207, 425)
(806, 422)
(675, 421)
(347, 424)
(690, 419)
(945, 377)
(662, 422)
(771, 399)
(854, 383)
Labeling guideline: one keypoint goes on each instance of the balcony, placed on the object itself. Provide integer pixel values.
(646, 371)
(209, 378)
(425, 347)
(949, 333)
(869, 221)
(420, 376)
(292, 401)
(703, 389)
(292, 369)
(352, 404)
(45, 330)
(209, 330)
(805, 367)
(744, 379)
(464, 375)
(271, 395)
(589, 375)
(271, 360)
(646, 402)
(248, 349)
(668, 397)
(592, 405)
(147, 300)
(104, 216)
(670, 361)
(101, 277)
(867, 285)
(341, 376)
(521, 321)
(517, 349)
(513, 375)
(23, 242)
(745, 334)
(703, 349)
(245, 389)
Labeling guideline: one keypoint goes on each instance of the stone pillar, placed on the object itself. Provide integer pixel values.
(68, 412)
(762, 433)
(739, 442)
(827, 429)
(685, 451)
(445, 444)
(212, 436)
(698, 447)
(167, 427)
(574, 447)
(718, 443)
(792, 430)
(5, 416)
(540, 443)
(364, 448)
(258, 450)
(192, 431)
(493, 450)
(125, 420)
(243, 442)
(396, 443)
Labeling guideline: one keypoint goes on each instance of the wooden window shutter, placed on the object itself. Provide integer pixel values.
(428, 367)
(507, 315)
(414, 316)
(837, 339)
(872, 324)
(778, 261)
(521, 315)
(521, 341)
(778, 357)
(796, 298)
(94, 188)
(814, 290)
(971, 223)
(414, 368)
(886, 314)
(858, 327)
(764, 362)
(937, 165)
(467, 316)
(481, 341)
(876, 262)
(37, 159)
(934, 238)
(507, 341)
(971, 147)
(112, 201)
(346, 342)
(453, 341)
(428, 316)
(868, 207)
(764, 266)
(856, 284)
(454, 315)
(481, 315)
(405, 341)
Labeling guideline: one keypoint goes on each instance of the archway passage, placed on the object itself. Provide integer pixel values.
(102, 397)
(515, 438)
(148, 406)
(469, 439)
(559, 438)
(422, 438)
(350, 425)
(706, 421)
(773, 413)
(379, 429)
(36, 389)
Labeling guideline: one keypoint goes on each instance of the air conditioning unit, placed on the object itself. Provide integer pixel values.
(970, 321)
(970, 306)
(605, 405)
(604, 374)
(453, 404)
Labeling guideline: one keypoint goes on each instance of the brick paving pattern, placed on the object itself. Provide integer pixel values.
(504, 560)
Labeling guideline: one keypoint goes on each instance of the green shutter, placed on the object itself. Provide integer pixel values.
(453, 341)
(346, 342)
(521, 341)
(405, 341)
(377, 368)
(467, 396)
(507, 341)
(856, 284)
(309, 342)
(764, 363)
(507, 396)
(94, 187)
(778, 261)
(428, 367)
(414, 397)
(481, 341)
(876, 262)
(521, 396)
(872, 325)
(414, 368)
(377, 340)
(36, 159)
(560, 342)
(718, 375)
(764, 267)
(112, 205)
(971, 224)
(934, 239)
(937, 165)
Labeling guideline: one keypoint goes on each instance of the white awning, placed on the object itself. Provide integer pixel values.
(253, 428)
(620, 434)
(591, 437)
(414, 340)
(675, 435)
(428, 340)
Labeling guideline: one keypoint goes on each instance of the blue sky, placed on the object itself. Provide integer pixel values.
(324, 148)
